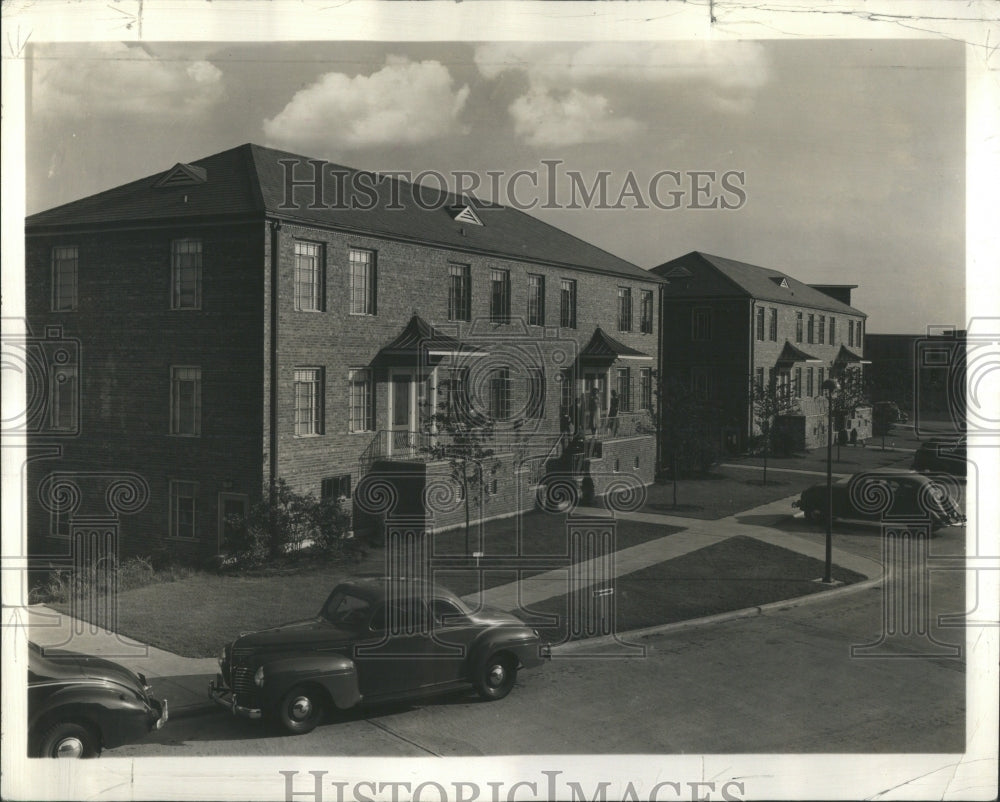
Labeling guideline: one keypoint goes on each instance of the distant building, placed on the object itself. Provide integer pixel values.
(727, 324)
(255, 315)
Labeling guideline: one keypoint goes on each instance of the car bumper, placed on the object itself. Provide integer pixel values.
(224, 697)
(162, 714)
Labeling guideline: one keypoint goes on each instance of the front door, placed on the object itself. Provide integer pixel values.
(401, 421)
(232, 508)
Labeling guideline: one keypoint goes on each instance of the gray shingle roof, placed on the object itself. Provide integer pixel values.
(762, 283)
(251, 180)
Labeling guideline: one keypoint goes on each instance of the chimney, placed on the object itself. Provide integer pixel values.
(839, 292)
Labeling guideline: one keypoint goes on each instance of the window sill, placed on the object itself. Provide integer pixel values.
(185, 308)
(361, 314)
(311, 311)
(362, 431)
(185, 436)
(307, 436)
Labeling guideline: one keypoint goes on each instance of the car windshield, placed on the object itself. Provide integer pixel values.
(346, 610)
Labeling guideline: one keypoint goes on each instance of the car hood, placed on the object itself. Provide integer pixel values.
(495, 617)
(305, 632)
(71, 667)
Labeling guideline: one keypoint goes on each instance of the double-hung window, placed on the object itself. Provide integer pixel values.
(773, 333)
(361, 416)
(183, 505)
(645, 388)
(308, 402)
(850, 332)
(65, 265)
(701, 324)
(185, 267)
(811, 329)
(798, 327)
(308, 276)
(624, 390)
(646, 311)
(624, 309)
(821, 337)
(363, 282)
(536, 300)
(459, 284)
(567, 303)
(760, 323)
(499, 296)
(499, 389)
(185, 401)
(536, 393)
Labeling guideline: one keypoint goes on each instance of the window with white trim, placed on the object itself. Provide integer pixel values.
(645, 388)
(363, 281)
(821, 336)
(65, 266)
(773, 328)
(833, 330)
(536, 300)
(309, 269)
(624, 390)
(567, 303)
(811, 329)
(185, 400)
(308, 402)
(361, 416)
(459, 286)
(760, 323)
(646, 311)
(798, 327)
(624, 309)
(183, 507)
(185, 269)
(499, 388)
(499, 296)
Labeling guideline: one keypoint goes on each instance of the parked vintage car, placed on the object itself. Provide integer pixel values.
(941, 456)
(863, 496)
(78, 705)
(374, 640)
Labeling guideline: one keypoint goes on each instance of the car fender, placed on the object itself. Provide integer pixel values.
(336, 674)
(115, 712)
(503, 639)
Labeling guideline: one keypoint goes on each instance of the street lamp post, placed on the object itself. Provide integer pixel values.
(830, 386)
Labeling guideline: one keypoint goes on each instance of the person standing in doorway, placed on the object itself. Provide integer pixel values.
(594, 410)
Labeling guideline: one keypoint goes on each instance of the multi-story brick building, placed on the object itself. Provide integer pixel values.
(256, 315)
(727, 324)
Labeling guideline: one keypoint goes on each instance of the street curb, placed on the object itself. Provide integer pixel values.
(719, 618)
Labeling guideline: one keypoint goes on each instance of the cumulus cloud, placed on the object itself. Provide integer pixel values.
(110, 78)
(405, 102)
(563, 79)
(569, 118)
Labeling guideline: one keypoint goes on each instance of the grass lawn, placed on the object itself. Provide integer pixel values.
(195, 616)
(736, 573)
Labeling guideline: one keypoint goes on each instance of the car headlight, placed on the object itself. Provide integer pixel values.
(258, 677)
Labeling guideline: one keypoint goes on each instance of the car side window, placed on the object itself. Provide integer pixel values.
(445, 612)
(407, 616)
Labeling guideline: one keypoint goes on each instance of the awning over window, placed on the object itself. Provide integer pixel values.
(420, 343)
(790, 355)
(845, 356)
(603, 347)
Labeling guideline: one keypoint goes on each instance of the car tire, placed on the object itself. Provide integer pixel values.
(815, 515)
(496, 677)
(69, 739)
(300, 710)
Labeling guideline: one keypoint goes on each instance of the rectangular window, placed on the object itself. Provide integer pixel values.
(624, 390)
(336, 487)
(183, 504)
(185, 274)
(536, 300)
(646, 311)
(64, 400)
(833, 330)
(453, 397)
(760, 379)
(701, 324)
(624, 309)
(361, 415)
(811, 329)
(860, 342)
(499, 384)
(850, 332)
(185, 401)
(536, 393)
(798, 382)
(65, 263)
(567, 303)
(798, 327)
(760, 323)
(810, 390)
(459, 286)
(819, 381)
(821, 337)
(645, 388)
(774, 325)
(308, 402)
(500, 296)
(308, 276)
(363, 282)
(566, 394)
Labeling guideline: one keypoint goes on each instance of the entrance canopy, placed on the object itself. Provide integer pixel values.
(845, 356)
(419, 343)
(790, 355)
(604, 348)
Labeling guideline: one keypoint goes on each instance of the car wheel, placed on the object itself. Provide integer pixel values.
(815, 515)
(70, 740)
(300, 710)
(497, 676)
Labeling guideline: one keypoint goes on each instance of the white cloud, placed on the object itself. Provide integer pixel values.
(405, 102)
(566, 82)
(544, 118)
(111, 78)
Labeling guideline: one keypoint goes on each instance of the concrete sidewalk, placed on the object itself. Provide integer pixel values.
(184, 680)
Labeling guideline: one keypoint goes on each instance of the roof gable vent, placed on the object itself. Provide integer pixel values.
(465, 214)
(182, 175)
(678, 272)
(781, 281)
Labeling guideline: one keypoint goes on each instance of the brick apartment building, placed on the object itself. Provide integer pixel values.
(256, 315)
(726, 323)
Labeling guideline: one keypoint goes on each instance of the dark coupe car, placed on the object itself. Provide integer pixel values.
(872, 496)
(944, 456)
(77, 705)
(374, 640)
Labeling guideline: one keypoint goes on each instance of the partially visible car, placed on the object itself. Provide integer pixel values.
(941, 456)
(79, 705)
(374, 640)
(884, 495)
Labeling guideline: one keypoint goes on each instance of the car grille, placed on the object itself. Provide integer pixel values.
(242, 681)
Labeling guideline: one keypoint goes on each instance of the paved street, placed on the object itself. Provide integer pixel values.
(782, 681)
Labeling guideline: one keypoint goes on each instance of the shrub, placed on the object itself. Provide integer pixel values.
(107, 576)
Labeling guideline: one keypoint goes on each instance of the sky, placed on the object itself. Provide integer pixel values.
(841, 161)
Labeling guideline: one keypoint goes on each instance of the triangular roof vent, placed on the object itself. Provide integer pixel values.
(678, 272)
(465, 214)
(183, 175)
(781, 281)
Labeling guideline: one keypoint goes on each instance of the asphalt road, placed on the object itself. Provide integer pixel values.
(784, 681)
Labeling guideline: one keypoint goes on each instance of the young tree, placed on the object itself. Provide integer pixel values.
(768, 401)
